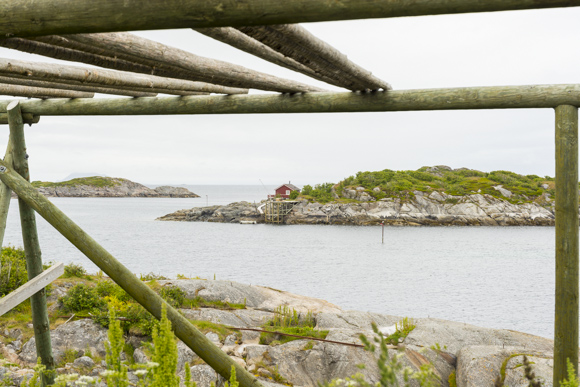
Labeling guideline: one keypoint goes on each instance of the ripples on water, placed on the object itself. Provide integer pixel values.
(488, 276)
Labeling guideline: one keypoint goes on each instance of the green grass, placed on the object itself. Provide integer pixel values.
(95, 181)
(402, 184)
(291, 322)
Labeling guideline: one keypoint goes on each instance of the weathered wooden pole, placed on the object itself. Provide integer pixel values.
(496, 97)
(41, 92)
(566, 321)
(31, 244)
(45, 17)
(5, 196)
(193, 338)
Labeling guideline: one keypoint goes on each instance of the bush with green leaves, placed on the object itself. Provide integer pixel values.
(74, 270)
(12, 269)
(402, 184)
(82, 297)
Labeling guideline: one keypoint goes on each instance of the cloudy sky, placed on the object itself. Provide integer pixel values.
(491, 49)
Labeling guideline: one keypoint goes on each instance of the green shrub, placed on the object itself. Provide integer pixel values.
(173, 295)
(107, 288)
(74, 270)
(294, 195)
(13, 270)
(82, 298)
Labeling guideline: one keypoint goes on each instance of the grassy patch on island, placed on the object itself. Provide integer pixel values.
(94, 181)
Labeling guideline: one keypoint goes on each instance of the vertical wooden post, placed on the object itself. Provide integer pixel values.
(5, 195)
(31, 244)
(566, 321)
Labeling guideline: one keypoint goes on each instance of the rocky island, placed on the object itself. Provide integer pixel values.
(430, 196)
(98, 186)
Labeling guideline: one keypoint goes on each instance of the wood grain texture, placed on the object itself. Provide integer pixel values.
(45, 17)
(296, 42)
(566, 318)
(16, 297)
(241, 41)
(26, 117)
(193, 338)
(498, 97)
(141, 50)
(5, 194)
(32, 251)
(105, 78)
(32, 82)
(41, 92)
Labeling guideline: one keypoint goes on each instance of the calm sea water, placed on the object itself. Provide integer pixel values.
(488, 276)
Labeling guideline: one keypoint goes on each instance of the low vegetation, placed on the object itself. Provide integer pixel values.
(288, 321)
(95, 181)
(457, 182)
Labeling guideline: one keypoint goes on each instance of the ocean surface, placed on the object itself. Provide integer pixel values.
(488, 276)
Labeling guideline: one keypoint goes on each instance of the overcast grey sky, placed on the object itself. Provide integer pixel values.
(491, 49)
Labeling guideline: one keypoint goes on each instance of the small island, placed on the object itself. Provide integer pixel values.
(429, 196)
(108, 187)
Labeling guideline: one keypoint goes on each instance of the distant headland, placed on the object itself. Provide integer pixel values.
(112, 187)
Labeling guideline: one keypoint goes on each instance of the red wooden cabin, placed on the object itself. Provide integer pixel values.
(284, 191)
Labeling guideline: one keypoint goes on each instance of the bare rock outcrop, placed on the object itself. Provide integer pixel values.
(434, 209)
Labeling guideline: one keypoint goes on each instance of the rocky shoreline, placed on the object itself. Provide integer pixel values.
(434, 209)
(460, 354)
(117, 188)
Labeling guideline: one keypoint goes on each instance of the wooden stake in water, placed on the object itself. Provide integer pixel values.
(383, 229)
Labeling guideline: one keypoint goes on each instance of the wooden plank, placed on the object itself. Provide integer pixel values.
(46, 17)
(31, 244)
(31, 287)
(132, 47)
(107, 78)
(144, 295)
(40, 92)
(500, 97)
(566, 319)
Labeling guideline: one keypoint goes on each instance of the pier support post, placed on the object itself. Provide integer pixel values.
(31, 244)
(566, 318)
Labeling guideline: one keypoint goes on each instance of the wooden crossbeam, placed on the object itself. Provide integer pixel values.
(497, 97)
(104, 78)
(134, 48)
(41, 92)
(27, 118)
(30, 288)
(46, 17)
(294, 41)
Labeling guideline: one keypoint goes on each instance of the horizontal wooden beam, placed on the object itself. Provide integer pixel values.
(69, 86)
(44, 17)
(16, 297)
(27, 118)
(41, 92)
(104, 78)
(148, 52)
(498, 97)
